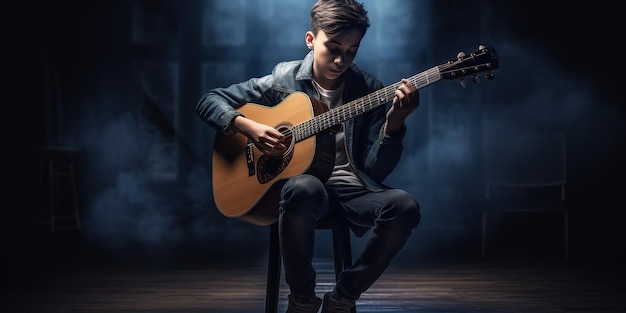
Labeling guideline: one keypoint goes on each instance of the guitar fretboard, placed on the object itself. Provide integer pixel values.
(360, 106)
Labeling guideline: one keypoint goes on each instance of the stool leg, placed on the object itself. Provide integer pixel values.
(346, 246)
(273, 271)
(342, 250)
(337, 250)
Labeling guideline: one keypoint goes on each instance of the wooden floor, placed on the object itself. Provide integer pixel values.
(477, 287)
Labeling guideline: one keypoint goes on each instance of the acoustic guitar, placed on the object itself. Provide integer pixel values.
(247, 183)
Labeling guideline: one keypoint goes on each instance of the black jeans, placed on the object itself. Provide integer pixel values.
(391, 214)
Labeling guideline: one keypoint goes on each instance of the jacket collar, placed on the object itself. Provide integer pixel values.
(305, 72)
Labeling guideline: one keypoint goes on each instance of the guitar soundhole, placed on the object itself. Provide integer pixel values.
(270, 167)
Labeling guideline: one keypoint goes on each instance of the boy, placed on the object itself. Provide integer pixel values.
(368, 148)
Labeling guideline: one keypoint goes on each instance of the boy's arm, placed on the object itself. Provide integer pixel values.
(218, 107)
(405, 102)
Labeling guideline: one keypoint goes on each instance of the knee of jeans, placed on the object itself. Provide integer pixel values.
(303, 194)
(303, 186)
(407, 210)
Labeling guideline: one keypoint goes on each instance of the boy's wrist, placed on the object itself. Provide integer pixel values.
(392, 128)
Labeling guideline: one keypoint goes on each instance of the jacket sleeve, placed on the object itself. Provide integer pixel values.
(382, 152)
(218, 107)
(378, 153)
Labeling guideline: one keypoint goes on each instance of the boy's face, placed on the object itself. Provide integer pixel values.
(332, 57)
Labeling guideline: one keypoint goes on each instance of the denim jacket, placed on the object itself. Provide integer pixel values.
(372, 154)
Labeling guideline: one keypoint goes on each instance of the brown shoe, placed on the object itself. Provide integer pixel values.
(337, 306)
(303, 307)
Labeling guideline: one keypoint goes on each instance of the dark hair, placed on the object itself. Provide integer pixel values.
(338, 17)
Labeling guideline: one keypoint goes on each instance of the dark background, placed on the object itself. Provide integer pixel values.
(119, 80)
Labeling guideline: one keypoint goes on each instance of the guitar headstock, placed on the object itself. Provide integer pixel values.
(483, 60)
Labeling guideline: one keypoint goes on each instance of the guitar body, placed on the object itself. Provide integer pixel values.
(246, 183)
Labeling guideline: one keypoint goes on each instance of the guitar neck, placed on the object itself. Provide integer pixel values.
(360, 106)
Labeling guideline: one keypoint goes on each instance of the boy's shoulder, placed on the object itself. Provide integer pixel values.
(298, 69)
(286, 67)
(288, 76)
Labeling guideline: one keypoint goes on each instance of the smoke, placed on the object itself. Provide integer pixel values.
(125, 208)
(129, 209)
(133, 211)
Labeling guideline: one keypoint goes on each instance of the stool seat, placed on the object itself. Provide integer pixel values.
(342, 256)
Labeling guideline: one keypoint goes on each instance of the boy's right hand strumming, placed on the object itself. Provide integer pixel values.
(267, 139)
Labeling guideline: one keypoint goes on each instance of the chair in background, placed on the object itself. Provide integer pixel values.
(526, 174)
(57, 191)
(342, 256)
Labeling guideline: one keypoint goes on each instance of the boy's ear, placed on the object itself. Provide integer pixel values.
(309, 38)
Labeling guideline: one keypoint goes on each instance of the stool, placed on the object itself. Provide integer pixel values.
(342, 256)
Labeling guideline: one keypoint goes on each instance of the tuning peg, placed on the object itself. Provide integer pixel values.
(490, 76)
(462, 83)
(460, 55)
(481, 47)
(475, 79)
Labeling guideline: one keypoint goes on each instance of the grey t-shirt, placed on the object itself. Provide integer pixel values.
(342, 172)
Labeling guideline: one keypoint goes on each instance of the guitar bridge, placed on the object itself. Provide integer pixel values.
(250, 157)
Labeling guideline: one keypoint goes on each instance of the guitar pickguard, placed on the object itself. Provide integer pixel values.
(269, 167)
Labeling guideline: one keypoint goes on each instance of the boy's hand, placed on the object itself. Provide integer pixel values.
(405, 102)
(267, 139)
